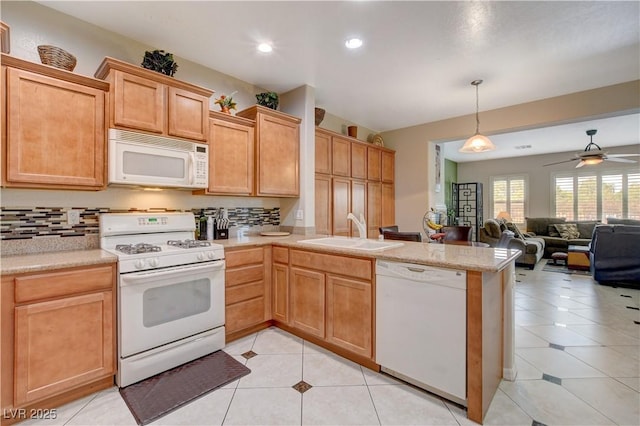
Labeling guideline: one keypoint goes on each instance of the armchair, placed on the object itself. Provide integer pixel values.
(531, 248)
(613, 254)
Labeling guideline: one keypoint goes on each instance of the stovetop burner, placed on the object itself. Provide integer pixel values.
(137, 248)
(188, 244)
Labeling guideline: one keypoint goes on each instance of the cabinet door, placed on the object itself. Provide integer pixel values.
(139, 103)
(358, 160)
(308, 301)
(323, 153)
(349, 314)
(55, 132)
(374, 163)
(388, 166)
(188, 114)
(388, 208)
(231, 161)
(278, 151)
(358, 203)
(374, 208)
(247, 298)
(341, 206)
(341, 156)
(61, 344)
(323, 210)
(280, 289)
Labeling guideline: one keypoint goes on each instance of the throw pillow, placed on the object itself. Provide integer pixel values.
(568, 231)
(552, 231)
(493, 228)
(513, 228)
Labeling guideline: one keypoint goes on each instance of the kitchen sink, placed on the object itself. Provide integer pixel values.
(353, 243)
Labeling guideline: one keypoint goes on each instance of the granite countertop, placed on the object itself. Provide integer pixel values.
(36, 262)
(441, 255)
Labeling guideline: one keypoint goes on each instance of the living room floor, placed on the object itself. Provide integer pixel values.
(577, 355)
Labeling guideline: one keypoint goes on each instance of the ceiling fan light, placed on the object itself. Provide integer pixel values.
(593, 161)
(477, 143)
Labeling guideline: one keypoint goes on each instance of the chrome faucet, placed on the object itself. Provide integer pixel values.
(361, 224)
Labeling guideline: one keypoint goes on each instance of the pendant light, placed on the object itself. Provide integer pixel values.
(477, 142)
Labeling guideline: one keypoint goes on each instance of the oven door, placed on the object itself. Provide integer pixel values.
(162, 306)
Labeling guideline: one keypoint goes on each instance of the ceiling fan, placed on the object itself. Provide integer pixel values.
(593, 154)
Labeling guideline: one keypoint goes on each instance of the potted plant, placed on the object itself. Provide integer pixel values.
(160, 62)
(226, 103)
(268, 99)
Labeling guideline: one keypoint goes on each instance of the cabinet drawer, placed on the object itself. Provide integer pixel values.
(281, 255)
(239, 293)
(244, 314)
(358, 268)
(244, 257)
(244, 275)
(56, 284)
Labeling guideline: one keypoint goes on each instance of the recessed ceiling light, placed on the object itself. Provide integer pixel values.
(353, 43)
(265, 47)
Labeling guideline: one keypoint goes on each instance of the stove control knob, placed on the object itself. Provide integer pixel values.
(200, 256)
(211, 255)
(139, 264)
(154, 262)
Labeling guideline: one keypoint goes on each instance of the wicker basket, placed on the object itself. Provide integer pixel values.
(319, 116)
(57, 57)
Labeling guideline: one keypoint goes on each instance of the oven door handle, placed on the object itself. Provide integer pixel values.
(141, 277)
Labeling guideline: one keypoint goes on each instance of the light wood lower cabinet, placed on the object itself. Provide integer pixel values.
(332, 299)
(58, 334)
(248, 288)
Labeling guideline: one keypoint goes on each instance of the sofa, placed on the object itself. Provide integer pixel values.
(532, 248)
(546, 229)
(614, 254)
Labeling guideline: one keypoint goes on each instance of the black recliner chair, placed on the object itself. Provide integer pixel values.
(614, 254)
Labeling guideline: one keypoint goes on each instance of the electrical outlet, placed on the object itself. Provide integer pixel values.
(73, 217)
(299, 214)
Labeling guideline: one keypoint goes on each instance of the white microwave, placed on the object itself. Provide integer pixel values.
(149, 160)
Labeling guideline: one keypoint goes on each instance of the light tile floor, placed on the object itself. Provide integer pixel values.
(577, 354)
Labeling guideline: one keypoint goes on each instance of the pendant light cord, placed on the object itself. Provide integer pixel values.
(477, 113)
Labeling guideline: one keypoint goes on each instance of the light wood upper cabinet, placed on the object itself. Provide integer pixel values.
(388, 205)
(358, 160)
(323, 152)
(231, 155)
(374, 208)
(358, 203)
(341, 203)
(64, 332)
(374, 163)
(148, 101)
(277, 151)
(388, 166)
(323, 202)
(341, 156)
(54, 133)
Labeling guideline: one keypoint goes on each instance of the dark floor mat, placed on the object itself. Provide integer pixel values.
(157, 396)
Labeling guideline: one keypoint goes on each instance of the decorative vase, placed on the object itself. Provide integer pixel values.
(319, 115)
(225, 109)
(353, 131)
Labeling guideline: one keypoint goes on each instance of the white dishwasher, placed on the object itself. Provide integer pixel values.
(421, 326)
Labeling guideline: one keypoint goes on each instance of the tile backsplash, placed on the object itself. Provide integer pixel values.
(21, 223)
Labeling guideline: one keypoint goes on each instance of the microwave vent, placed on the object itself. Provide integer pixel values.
(144, 139)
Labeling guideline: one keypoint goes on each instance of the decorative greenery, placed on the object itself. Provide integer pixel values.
(226, 101)
(268, 99)
(160, 62)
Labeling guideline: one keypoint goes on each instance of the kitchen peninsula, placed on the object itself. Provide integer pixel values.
(327, 295)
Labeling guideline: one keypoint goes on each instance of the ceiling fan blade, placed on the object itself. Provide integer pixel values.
(623, 155)
(559, 162)
(620, 160)
(580, 164)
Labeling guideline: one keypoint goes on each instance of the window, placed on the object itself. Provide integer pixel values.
(509, 194)
(597, 195)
